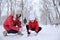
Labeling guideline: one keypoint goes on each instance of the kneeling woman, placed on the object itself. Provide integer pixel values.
(12, 26)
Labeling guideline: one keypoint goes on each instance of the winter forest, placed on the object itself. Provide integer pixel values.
(47, 13)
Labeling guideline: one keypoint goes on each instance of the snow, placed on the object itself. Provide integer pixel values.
(48, 32)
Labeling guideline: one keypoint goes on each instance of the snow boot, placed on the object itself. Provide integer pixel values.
(5, 33)
(19, 33)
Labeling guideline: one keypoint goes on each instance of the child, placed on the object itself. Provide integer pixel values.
(10, 24)
(32, 25)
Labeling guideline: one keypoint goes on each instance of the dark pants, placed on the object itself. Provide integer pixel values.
(33, 29)
(12, 31)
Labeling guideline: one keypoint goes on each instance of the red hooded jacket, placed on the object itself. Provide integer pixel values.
(34, 25)
(9, 24)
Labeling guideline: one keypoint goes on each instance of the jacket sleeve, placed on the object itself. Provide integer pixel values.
(37, 26)
(29, 25)
(11, 24)
(18, 23)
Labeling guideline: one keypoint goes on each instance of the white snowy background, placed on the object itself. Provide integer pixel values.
(47, 13)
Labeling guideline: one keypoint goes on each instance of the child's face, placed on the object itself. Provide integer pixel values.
(32, 20)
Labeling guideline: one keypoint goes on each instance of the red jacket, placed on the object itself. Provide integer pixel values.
(34, 25)
(9, 24)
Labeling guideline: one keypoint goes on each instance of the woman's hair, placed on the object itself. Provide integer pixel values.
(18, 15)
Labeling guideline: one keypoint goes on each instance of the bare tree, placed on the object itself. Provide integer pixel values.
(47, 11)
(56, 8)
(0, 8)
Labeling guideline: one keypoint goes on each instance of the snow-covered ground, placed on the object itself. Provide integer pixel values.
(49, 32)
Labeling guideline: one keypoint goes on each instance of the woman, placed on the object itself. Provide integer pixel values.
(12, 26)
